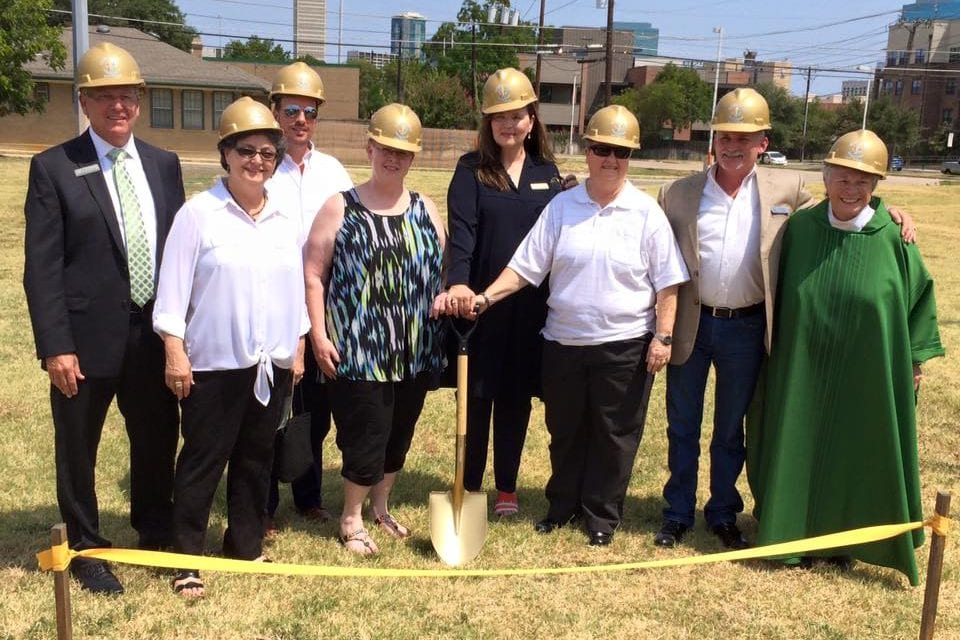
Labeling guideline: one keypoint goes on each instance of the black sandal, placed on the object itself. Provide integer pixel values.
(187, 579)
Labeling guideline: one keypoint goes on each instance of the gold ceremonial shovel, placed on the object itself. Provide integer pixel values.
(458, 518)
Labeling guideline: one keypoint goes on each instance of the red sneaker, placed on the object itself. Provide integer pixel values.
(506, 505)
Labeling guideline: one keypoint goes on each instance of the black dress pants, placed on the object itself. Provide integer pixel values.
(595, 398)
(150, 415)
(511, 414)
(224, 423)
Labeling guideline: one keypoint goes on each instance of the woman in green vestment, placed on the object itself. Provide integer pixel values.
(856, 317)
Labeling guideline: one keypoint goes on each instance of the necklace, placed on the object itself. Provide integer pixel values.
(255, 211)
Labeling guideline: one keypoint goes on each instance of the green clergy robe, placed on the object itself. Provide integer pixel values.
(837, 449)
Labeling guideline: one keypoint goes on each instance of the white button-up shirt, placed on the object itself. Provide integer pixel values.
(144, 196)
(232, 287)
(606, 265)
(729, 232)
(322, 176)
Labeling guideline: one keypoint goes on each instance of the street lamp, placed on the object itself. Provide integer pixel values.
(716, 86)
(866, 98)
(573, 113)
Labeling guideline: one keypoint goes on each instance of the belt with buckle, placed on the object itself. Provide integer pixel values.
(728, 314)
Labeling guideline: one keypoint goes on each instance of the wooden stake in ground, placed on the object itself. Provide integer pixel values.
(61, 587)
(934, 568)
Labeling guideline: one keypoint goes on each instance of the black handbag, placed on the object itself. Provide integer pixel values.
(293, 448)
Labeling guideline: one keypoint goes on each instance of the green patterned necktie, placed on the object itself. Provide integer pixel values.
(139, 261)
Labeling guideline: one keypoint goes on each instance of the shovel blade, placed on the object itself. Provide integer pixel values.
(457, 546)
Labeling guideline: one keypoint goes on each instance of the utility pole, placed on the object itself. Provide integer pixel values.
(543, 7)
(608, 73)
(81, 42)
(400, 73)
(806, 110)
(473, 64)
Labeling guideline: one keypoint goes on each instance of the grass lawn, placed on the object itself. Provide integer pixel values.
(728, 600)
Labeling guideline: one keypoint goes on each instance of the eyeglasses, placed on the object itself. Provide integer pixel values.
(603, 151)
(292, 111)
(268, 155)
(110, 99)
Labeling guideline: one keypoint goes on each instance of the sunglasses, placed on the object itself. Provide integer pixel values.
(268, 155)
(603, 151)
(292, 111)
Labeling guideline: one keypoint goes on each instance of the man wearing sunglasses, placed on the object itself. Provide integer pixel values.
(308, 177)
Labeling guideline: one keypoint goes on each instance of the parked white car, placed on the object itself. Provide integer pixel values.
(773, 157)
(950, 166)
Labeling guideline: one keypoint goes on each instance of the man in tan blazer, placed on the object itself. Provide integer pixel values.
(728, 221)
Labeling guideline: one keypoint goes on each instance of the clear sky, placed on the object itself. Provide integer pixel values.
(825, 34)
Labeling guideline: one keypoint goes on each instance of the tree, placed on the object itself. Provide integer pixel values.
(440, 100)
(786, 117)
(451, 49)
(821, 130)
(675, 99)
(131, 13)
(24, 34)
(255, 49)
(373, 89)
(898, 127)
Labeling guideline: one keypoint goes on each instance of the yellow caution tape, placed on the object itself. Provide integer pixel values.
(58, 558)
(940, 524)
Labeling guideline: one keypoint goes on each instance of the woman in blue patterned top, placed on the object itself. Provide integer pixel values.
(373, 269)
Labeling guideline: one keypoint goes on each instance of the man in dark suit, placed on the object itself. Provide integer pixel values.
(98, 209)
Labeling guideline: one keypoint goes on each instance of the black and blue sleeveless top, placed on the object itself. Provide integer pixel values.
(387, 269)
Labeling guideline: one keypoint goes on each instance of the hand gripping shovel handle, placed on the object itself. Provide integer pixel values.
(463, 339)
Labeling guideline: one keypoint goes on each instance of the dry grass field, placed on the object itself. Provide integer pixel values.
(719, 601)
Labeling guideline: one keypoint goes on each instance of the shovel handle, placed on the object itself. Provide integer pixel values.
(463, 338)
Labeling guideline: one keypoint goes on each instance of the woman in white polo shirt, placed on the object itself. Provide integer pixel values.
(614, 269)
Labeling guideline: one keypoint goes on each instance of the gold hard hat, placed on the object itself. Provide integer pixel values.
(862, 150)
(506, 90)
(298, 79)
(396, 126)
(246, 114)
(614, 125)
(107, 65)
(742, 111)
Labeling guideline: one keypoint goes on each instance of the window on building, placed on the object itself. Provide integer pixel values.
(898, 88)
(221, 100)
(41, 92)
(891, 58)
(161, 108)
(887, 86)
(191, 109)
(950, 86)
(919, 56)
(916, 87)
(954, 54)
(947, 116)
(903, 57)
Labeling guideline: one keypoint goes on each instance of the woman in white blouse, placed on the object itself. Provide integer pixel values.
(614, 269)
(230, 308)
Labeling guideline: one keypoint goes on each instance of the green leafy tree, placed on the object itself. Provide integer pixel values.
(451, 49)
(674, 100)
(938, 141)
(440, 100)
(786, 117)
(130, 13)
(821, 131)
(24, 34)
(255, 49)
(896, 126)
(373, 89)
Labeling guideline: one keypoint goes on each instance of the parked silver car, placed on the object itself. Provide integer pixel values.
(950, 166)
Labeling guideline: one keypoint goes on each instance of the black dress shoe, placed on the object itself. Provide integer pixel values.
(95, 576)
(670, 534)
(548, 524)
(730, 535)
(599, 538)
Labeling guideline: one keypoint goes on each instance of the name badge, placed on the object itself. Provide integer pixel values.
(87, 170)
(780, 210)
(539, 186)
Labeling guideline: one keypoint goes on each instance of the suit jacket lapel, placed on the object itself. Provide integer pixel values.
(691, 200)
(97, 183)
(152, 171)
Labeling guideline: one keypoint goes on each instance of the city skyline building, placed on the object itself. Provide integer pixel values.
(309, 28)
(646, 37)
(408, 31)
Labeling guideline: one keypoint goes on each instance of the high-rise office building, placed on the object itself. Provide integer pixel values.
(309, 28)
(646, 37)
(407, 34)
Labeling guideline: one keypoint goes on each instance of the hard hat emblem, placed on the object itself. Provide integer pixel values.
(403, 131)
(303, 82)
(619, 129)
(503, 93)
(111, 67)
(736, 113)
(855, 152)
